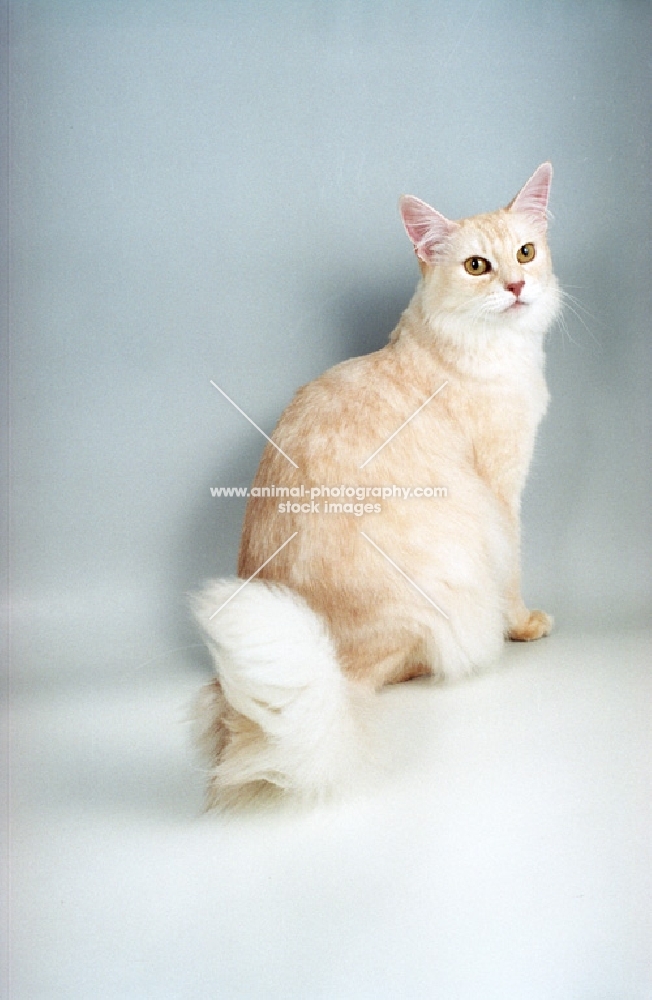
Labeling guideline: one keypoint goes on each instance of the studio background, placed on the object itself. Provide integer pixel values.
(202, 191)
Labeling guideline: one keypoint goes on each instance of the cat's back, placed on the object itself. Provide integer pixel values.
(342, 414)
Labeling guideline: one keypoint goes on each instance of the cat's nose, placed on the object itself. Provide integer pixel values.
(516, 287)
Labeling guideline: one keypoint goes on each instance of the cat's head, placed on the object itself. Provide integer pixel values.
(489, 272)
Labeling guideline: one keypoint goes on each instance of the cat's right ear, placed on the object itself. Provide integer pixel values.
(427, 228)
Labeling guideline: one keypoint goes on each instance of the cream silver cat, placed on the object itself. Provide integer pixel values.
(423, 586)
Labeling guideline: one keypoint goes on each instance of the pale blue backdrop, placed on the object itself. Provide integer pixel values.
(208, 190)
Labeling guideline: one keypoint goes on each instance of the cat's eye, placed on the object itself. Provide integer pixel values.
(477, 265)
(526, 253)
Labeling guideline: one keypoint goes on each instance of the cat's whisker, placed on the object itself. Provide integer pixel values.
(574, 306)
(566, 334)
(567, 297)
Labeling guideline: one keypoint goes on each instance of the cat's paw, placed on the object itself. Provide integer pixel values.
(535, 626)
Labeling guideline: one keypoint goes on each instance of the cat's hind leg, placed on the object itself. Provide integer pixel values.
(466, 631)
(380, 656)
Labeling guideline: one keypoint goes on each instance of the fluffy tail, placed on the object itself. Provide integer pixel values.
(281, 714)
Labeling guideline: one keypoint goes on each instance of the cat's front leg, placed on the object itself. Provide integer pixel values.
(530, 625)
(506, 480)
(523, 625)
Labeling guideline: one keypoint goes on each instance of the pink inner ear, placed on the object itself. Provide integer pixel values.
(426, 227)
(533, 196)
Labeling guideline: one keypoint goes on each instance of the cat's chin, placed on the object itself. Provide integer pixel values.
(527, 317)
(533, 316)
(521, 313)
(485, 347)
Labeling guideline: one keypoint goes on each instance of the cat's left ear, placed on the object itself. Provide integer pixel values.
(532, 199)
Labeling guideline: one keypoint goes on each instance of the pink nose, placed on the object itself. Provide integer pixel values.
(516, 287)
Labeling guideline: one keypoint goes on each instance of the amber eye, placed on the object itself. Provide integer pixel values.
(477, 265)
(526, 253)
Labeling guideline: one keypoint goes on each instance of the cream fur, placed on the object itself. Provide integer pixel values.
(328, 620)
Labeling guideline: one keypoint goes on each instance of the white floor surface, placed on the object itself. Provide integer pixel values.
(506, 856)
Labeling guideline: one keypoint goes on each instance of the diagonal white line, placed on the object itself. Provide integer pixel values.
(403, 424)
(416, 587)
(253, 424)
(236, 592)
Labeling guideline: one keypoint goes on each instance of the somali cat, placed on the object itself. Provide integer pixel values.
(411, 586)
